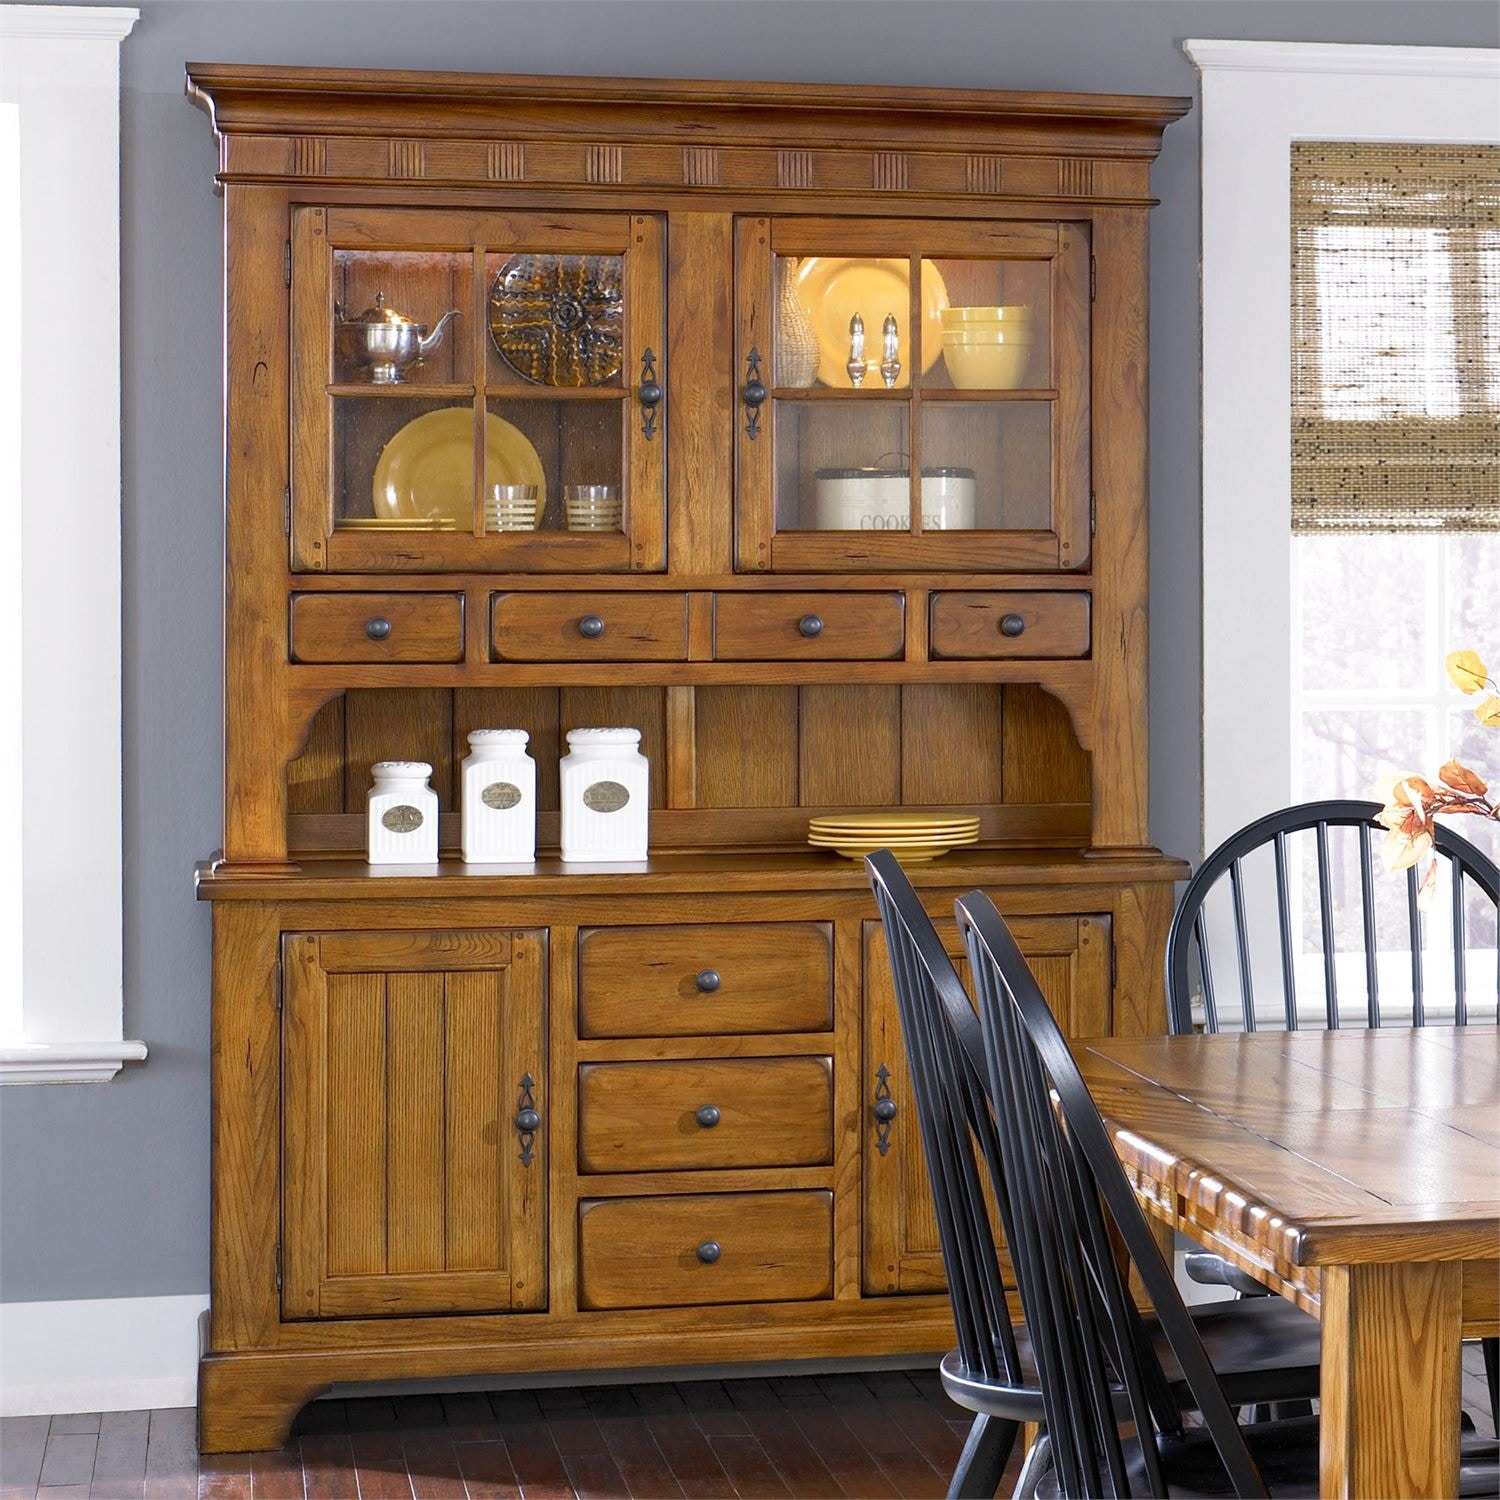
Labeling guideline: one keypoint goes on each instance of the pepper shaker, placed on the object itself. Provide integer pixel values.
(856, 365)
(890, 365)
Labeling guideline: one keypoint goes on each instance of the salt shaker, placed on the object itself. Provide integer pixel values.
(403, 814)
(605, 795)
(498, 782)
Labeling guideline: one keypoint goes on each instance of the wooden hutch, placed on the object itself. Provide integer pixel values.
(458, 1113)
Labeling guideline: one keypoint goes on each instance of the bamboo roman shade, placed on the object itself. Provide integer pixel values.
(1395, 337)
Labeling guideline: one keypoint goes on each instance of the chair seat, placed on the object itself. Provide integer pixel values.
(1286, 1453)
(1263, 1349)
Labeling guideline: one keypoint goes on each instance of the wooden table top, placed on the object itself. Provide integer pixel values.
(1326, 1148)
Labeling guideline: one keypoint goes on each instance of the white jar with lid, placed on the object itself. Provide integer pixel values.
(403, 814)
(605, 796)
(498, 782)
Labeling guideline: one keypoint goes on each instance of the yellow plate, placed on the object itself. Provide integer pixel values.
(427, 469)
(394, 523)
(833, 288)
(915, 854)
(835, 843)
(890, 823)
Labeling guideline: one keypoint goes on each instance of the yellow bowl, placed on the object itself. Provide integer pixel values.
(983, 335)
(963, 316)
(987, 367)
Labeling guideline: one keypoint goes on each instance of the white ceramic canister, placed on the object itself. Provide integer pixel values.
(499, 798)
(403, 814)
(880, 499)
(605, 795)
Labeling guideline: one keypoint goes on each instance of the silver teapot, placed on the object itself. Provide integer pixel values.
(386, 341)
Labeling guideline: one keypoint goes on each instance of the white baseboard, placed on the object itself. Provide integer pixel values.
(109, 1354)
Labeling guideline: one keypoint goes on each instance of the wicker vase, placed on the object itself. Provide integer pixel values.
(797, 352)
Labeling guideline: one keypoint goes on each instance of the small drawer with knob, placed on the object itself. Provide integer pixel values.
(820, 627)
(393, 627)
(705, 1248)
(989, 626)
(643, 626)
(708, 979)
(705, 1113)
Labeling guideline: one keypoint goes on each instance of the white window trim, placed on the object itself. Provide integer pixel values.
(63, 1018)
(1257, 98)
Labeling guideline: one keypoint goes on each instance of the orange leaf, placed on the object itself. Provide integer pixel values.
(1462, 779)
(1428, 888)
(1403, 849)
(1466, 671)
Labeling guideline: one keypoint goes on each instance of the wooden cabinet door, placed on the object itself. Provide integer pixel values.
(529, 363)
(902, 1253)
(970, 397)
(408, 1186)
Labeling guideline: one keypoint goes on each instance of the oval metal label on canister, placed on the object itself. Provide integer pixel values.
(605, 796)
(403, 818)
(500, 795)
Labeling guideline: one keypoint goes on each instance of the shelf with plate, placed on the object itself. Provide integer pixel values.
(928, 403)
(496, 403)
(856, 586)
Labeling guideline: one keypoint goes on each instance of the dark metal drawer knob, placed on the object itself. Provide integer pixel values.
(709, 1252)
(885, 1110)
(708, 981)
(591, 627)
(708, 1116)
(528, 1121)
(810, 626)
(378, 628)
(1012, 625)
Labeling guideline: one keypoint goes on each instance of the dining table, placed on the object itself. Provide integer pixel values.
(1354, 1172)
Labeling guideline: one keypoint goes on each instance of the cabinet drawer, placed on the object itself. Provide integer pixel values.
(826, 627)
(983, 626)
(377, 627)
(742, 1112)
(708, 980)
(589, 627)
(705, 1248)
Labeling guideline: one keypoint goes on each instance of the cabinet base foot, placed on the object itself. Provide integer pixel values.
(246, 1403)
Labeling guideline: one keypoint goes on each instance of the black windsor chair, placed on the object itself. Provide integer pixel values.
(1068, 1192)
(1264, 1349)
(1472, 887)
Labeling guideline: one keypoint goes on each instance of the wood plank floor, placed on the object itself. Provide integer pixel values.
(886, 1434)
(890, 1433)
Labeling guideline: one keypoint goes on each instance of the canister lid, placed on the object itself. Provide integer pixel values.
(933, 472)
(401, 768)
(604, 736)
(499, 737)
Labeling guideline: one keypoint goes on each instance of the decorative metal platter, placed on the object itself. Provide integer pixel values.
(559, 319)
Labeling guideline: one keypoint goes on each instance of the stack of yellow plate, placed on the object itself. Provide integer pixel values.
(913, 837)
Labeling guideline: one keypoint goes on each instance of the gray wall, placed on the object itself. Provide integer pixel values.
(106, 1187)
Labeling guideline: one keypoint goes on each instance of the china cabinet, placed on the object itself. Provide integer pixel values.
(802, 430)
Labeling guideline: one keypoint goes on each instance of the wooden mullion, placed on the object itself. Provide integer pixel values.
(914, 389)
(478, 352)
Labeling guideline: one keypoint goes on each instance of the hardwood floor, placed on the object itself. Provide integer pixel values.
(890, 1433)
(878, 1434)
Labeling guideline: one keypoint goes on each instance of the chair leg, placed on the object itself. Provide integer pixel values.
(1492, 1374)
(986, 1453)
(1034, 1470)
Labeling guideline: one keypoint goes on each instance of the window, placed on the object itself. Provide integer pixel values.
(60, 164)
(1369, 415)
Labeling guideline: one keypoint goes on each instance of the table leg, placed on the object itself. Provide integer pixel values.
(1390, 1380)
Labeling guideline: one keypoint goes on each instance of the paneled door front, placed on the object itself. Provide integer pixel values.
(414, 1123)
(1071, 959)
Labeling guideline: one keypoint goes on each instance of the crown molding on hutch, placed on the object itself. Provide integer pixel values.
(1340, 57)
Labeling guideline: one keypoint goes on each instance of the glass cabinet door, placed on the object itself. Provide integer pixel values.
(914, 395)
(477, 391)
